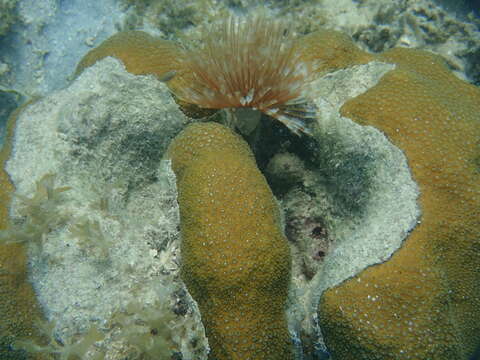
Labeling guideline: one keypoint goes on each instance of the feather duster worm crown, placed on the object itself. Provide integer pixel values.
(252, 64)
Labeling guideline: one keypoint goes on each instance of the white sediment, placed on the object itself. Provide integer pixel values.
(104, 137)
(364, 190)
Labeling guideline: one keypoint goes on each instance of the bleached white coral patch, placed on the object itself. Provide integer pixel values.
(361, 188)
(117, 246)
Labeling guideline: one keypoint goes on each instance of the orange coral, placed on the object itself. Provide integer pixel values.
(423, 303)
(140, 52)
(335, 50)
(235, 258)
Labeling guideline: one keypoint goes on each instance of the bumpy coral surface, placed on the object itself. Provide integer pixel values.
(140, 52)
(336, 49)
(235, 258)
(423, 303)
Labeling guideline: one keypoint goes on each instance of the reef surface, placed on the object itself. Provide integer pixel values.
(364, 201)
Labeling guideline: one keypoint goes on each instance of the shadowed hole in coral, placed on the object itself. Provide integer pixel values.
(348, 174)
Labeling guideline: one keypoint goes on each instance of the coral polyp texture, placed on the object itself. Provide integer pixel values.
(235, 258)
(140, 52)
(332, 50)
(424, 302)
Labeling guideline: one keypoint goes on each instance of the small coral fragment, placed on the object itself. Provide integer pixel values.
(235, 259)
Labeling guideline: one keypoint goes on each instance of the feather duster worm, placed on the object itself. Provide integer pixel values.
(249, 64)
